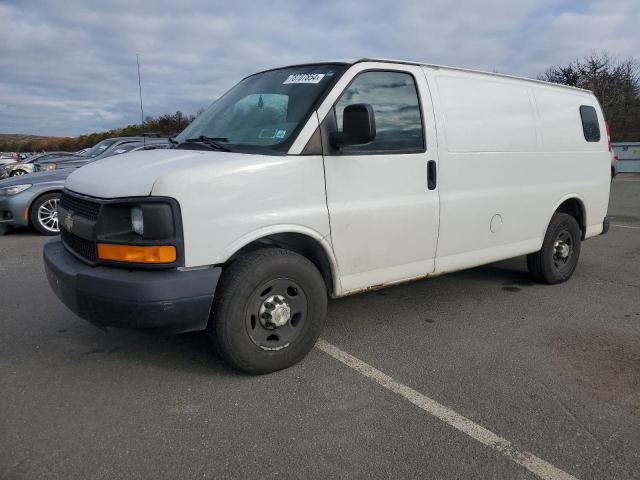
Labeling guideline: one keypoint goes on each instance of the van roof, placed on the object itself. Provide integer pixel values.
(433, 65)
(471, 70)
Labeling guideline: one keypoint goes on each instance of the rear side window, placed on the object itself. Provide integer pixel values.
(590, 126)
(394, 99)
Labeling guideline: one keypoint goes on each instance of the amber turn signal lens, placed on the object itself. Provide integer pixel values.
(137, 254)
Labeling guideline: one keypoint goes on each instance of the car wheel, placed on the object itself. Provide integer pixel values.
(15, 173)
(269, 310)
(44, 214)
(557, 259)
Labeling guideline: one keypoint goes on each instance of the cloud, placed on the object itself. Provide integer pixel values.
(69, 67)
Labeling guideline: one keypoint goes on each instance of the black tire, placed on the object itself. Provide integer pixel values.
(38, 222)
(264, 281)
(557, 259)
(18, 172)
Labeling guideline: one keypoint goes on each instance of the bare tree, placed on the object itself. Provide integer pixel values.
(616, 84)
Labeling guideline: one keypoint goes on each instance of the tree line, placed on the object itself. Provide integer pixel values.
(164, 125)
(615, 82)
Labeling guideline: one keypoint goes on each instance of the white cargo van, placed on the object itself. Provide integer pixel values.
(323, 180)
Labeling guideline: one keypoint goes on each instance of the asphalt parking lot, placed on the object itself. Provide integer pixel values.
(554, 370)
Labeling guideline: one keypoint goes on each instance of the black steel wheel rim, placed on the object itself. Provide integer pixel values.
(276, 314)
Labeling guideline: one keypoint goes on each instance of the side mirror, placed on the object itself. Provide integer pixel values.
(358, 126)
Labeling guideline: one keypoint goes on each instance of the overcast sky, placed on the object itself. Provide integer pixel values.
(69, 67)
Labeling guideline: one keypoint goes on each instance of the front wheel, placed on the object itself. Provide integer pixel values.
(269, 310)
(15, 173)
(556, 261)
(44, 214)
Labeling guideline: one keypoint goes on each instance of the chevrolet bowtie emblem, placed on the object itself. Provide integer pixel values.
(68, 221)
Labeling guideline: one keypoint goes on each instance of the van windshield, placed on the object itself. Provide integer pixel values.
(264, 111)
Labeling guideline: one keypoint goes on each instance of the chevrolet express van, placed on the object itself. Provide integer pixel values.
(323, 180)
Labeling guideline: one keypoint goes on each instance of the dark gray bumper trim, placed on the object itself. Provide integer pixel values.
(163, 301)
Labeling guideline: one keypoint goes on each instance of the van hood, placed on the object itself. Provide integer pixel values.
(134, 174)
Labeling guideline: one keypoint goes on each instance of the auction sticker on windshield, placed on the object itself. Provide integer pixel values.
(304, 78)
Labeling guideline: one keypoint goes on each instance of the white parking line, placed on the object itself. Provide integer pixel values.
(624, 226)
(535, 465)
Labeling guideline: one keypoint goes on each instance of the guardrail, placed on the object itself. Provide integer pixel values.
(628, 156)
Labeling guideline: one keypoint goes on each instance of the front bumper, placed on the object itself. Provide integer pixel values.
(161, 301)
(12, 209)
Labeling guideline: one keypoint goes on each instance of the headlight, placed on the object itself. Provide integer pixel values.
(49, 166)
(138, 231)
(137, 221)
(14, 189)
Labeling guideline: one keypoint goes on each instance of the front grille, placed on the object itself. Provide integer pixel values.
(80, 206)
(80, 246)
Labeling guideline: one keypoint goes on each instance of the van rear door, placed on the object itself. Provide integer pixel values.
(383, 196)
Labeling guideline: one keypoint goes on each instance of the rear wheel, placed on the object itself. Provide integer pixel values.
(557, 259)
(269, 310)
(15, 173)
(44, 214)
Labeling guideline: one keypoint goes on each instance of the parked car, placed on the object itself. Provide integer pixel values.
(103, 149)
(324, 180)
(33, 200)
(614, 164)
(8, 158)
(5, 162)
(26, 166)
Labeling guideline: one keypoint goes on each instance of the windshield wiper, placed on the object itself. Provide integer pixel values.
(212, 142)
(173, 141)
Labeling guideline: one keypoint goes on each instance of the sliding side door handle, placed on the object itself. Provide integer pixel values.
(432, 175)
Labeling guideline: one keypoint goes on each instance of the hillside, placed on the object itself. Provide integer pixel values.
(166, 125)
(22, 137)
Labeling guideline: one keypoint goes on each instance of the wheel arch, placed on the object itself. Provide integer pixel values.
(302, 241)
(572, 204)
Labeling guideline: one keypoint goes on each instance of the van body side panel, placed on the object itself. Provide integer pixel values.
(585, 164)
(236, 199)
(502, 171)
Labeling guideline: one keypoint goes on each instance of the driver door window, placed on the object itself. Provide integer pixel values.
(394, 98)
